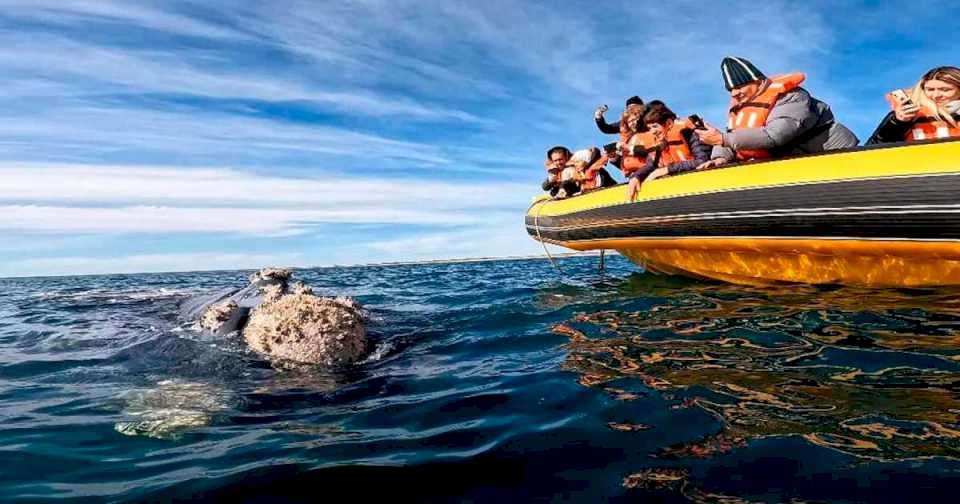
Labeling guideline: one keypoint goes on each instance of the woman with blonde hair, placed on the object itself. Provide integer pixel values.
(929, 110)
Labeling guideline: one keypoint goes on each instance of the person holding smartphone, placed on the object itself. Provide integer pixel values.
(929, 110)
(676, 149)
(771, 117)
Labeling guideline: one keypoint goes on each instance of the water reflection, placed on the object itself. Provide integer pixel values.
(873, 374)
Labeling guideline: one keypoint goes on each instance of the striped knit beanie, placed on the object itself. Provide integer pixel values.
(738, 71)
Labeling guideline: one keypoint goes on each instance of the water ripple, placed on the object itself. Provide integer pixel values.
(488, 381)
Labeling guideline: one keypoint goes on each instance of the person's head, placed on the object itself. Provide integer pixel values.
(632, 119)
(557, 157)
(634, 100)
(741, 78)
(936, 89)
(942, 84)
(659, 119)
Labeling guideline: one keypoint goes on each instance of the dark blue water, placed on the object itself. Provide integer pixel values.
(488, 382)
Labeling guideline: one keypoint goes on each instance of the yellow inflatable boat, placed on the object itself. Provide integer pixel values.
(885, 216)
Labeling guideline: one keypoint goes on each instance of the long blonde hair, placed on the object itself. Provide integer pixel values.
(948, 74)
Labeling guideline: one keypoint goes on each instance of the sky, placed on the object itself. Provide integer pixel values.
(140, 136)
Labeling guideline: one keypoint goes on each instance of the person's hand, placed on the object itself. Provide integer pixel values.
(906, 111)
(713, 163)
(710, 135)
(600, 111)
(655, 174)
(633, 188)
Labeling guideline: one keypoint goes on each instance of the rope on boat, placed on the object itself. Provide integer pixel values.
(536, 225)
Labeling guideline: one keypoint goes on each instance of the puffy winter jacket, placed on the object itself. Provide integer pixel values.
(798, 124)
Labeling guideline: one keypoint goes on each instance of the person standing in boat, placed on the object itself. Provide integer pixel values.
(771, 117)
(676, 148)
(929, 110)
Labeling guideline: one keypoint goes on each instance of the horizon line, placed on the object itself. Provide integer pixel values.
(564, 255)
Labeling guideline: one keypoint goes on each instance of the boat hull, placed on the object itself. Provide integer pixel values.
(877, 217)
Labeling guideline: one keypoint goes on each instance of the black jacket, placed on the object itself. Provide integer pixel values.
(605, 127)
(890, 129)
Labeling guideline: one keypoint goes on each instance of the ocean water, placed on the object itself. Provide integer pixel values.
(500, 381)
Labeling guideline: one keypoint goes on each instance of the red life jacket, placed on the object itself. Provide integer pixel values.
(753, 114)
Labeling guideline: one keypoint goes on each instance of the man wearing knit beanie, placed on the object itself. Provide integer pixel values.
(771, 117)
(739, 72)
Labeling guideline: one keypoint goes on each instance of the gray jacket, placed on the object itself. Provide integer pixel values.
(798, 124)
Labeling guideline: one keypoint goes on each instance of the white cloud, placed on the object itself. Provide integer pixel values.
(130, 199)
(55, 66)
(499, 237)
(566, 48)
(251, 221)
(98, 131)
(88, 184)
(122, 13)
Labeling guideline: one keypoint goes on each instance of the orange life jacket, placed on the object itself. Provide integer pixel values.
(754, 113)
(677, 149)
(926, 126)
(590, 178)
(630, 163)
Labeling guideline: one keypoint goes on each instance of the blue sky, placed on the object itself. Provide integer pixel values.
(173, 135)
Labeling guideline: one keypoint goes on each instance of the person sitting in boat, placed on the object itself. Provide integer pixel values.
(569, 173)
(559, 179)
(675, 147)
(613, 128)
(630, 154)
(928, 110)
(771, 117)
(631, 121)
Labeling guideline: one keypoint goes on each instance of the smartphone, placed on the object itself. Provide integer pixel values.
(697, 122)
(901, 97)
